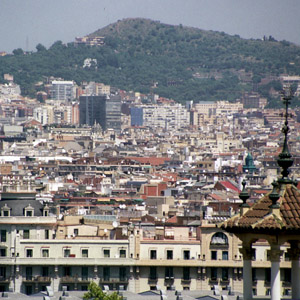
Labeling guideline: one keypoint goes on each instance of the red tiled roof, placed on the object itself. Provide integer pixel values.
(172, 220)
(230, 186)
(259, 217)
(215, 197)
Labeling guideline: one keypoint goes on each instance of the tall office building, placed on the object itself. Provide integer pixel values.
(113, 112)
(103, 110)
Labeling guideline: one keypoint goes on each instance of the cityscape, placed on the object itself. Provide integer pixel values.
(142, 196)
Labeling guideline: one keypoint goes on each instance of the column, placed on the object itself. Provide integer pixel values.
(56, 279)
(275, 254)
(18, 280)
(294, 253)
(95, 276)
(131, 278)
(247, 271)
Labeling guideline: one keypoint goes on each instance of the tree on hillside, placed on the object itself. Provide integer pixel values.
(96, 293)
(40, 47)
(18, 51)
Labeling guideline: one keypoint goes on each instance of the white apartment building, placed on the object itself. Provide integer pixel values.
(10, 89)
(54, 112)
(95, 88)
(63, 90)
(173, 116)
(43, 114)
(220, 143)
(217, 107)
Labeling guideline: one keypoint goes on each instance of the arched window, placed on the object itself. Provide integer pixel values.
(219, 238)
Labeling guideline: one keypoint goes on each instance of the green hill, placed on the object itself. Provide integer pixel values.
(179, 62)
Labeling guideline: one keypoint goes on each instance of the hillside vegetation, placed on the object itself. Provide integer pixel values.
(179, 62)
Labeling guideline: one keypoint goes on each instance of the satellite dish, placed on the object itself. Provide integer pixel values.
(115, 224)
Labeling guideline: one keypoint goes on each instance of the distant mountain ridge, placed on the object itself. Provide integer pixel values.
(179, 62)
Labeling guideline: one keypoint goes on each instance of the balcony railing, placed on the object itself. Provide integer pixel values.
(213, 281)
(74, 279)
(286, 284)
(114, 280)
(43, 279)
(224, 282)
(30, 278)
(218, 246)
(4, 279)
(185, 281)
(152, 280)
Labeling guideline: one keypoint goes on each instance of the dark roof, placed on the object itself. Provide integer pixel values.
(260, 217)
(17, 207)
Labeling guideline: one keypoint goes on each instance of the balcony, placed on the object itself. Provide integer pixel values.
(286, 284)
(29, 279)
(4, 279)
(224, 281)
(74, 279)
(186, 281)
(121, 280)
(213, 281)
(219, 246)
(152, 281)
(43, 279)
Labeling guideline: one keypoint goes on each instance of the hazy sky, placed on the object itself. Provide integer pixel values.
(25, 23)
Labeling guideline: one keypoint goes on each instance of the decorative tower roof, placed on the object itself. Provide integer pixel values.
(279, 210)
(249, 165)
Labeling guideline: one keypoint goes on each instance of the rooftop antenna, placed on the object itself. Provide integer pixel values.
(285, 160)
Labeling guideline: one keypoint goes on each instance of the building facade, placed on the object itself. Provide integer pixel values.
(102, 109)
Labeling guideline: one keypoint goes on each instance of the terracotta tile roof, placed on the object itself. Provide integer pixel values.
(172, 220)
(259, 217)
(230, 186)
(215, 196)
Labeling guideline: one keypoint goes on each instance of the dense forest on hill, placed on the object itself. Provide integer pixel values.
(178, 62)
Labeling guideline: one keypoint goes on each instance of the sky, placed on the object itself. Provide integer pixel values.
(26, 23)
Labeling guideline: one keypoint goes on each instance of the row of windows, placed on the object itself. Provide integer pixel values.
(67, 272)
(67, 253)
(169, 254)
(169, 273)
(28, 212)
(214, 255)
(27, 234)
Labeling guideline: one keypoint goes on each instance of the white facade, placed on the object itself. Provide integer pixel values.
(10, 89)
(63, 90)
(42, 114)
(218, 107)
(166, 116)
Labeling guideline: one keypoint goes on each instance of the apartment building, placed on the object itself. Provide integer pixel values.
(62, 90)
(39, 249)
(220, 142)
(172, 116)
(217, 107)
